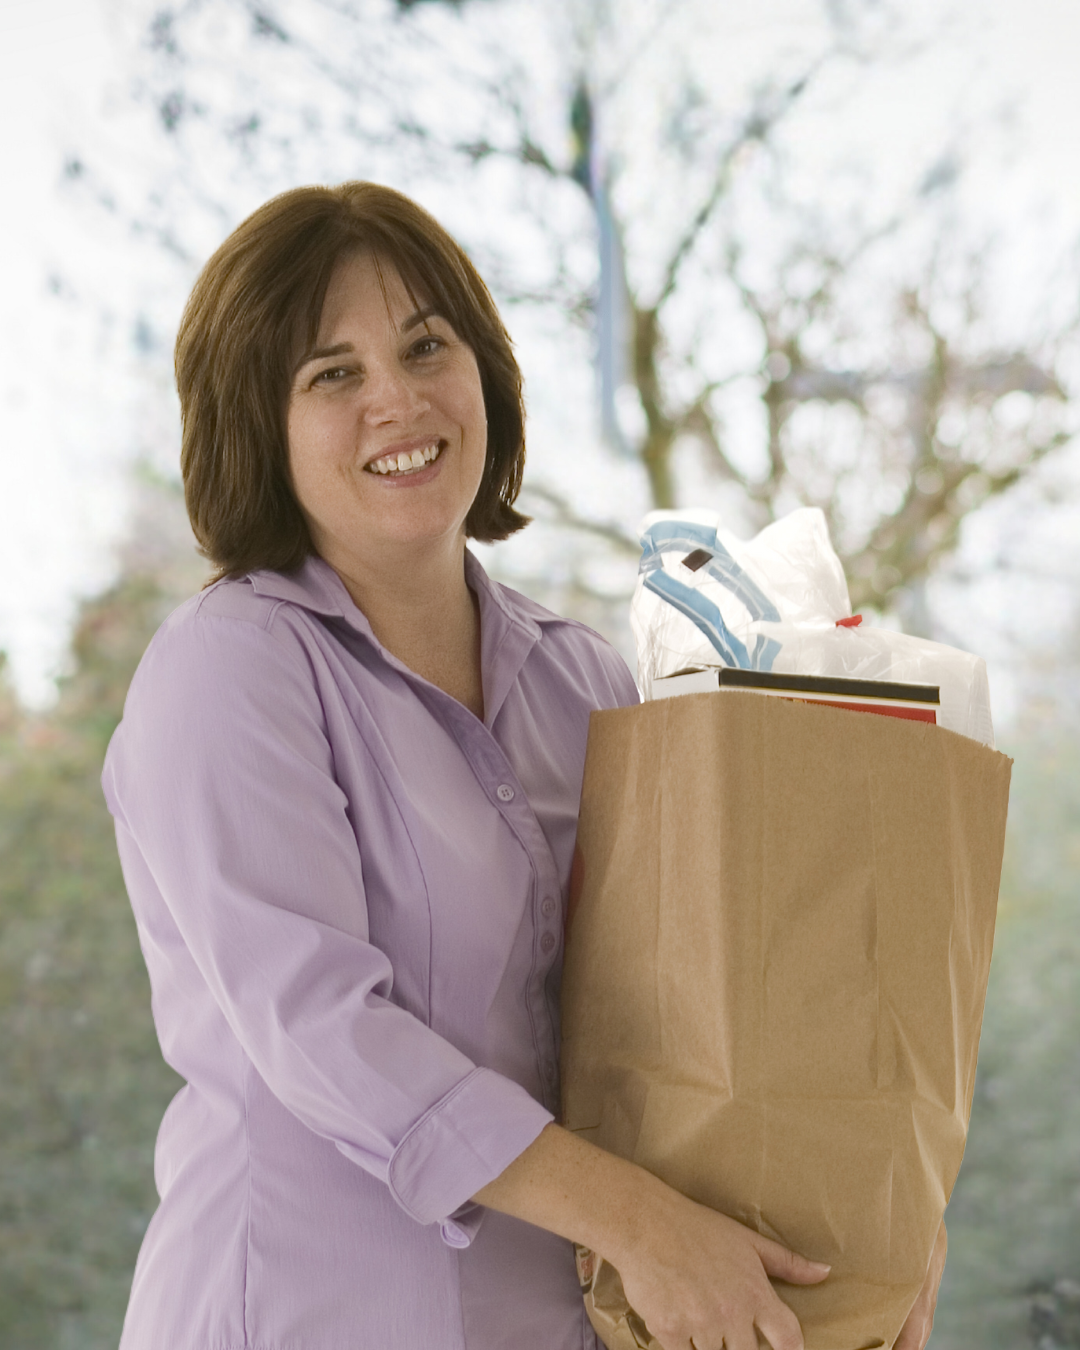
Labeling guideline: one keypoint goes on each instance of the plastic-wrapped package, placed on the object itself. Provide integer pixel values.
(777, 602)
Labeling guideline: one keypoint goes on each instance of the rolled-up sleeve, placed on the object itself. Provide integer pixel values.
(222, 782)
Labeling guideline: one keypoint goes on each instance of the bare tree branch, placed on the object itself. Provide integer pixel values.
(756, 127)
(697, 421)
(562, 513)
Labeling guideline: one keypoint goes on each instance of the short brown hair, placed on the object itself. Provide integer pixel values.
(264, 288)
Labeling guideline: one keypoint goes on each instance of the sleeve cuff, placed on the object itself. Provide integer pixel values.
(463, 1225)
(464, 1141)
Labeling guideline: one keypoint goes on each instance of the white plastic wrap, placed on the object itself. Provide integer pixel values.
(773, 603)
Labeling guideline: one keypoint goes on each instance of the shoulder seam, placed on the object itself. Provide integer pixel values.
(266, 610)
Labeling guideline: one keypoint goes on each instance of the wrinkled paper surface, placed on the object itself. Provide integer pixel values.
(774, 982)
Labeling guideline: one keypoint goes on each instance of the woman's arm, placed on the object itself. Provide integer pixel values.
(244, 871)
(697, 1277)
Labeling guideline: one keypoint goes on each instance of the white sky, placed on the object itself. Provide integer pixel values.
(71, 414)
(60, 503)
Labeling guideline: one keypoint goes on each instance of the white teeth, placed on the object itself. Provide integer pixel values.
(403, 462)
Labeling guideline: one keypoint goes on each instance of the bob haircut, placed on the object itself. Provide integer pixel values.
(257, 305)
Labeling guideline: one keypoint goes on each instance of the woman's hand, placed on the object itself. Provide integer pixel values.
(698, 1278)
(916, 1330)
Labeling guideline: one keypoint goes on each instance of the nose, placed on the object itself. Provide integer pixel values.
(391, 395)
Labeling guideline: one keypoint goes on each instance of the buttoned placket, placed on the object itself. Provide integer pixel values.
(495, 774)
(488, 761)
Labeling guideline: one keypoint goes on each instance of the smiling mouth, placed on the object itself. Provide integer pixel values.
(398, 466)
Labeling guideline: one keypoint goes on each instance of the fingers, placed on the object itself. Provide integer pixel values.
(780, 1327)
(706, 1276)
(920, 1321)
(781, 1333)
(730, 1341)
(915, 1332)
(789, 1266)
(745, 1340)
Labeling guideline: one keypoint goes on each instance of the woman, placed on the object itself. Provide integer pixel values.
(345, 790)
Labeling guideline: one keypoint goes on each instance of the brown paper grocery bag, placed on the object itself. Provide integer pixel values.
(774, 982)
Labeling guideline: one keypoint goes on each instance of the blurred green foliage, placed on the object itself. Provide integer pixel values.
(83, 1082)
(1013, 1272)
(84, 1087)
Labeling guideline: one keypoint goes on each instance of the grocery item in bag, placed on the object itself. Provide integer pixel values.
(915, 702)
(774, 603)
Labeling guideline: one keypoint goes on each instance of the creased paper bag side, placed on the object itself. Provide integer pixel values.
(775, 975)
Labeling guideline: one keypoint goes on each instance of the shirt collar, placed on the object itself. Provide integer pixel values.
(508, 632)
(317, 587)
(494, 597)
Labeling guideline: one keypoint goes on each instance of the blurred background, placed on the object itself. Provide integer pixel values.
(818, 252)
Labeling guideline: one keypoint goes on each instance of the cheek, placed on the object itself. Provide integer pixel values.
(313, 442)
(464, 395)
(308, 460)
(292, 435)
(473, 409)
(298, 458)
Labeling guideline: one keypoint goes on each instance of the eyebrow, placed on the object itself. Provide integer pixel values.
(420, 316)
(340, 348)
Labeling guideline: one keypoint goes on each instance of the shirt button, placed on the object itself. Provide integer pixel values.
(504, 792)
(547, 909)
(547, 943)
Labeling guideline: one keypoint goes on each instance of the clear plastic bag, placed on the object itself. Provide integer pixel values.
(774, 602)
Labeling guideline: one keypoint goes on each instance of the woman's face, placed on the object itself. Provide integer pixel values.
(386, 427)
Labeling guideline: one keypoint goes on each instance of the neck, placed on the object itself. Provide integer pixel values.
(421, 611)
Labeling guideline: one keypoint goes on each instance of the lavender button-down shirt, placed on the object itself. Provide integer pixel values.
(350, 896)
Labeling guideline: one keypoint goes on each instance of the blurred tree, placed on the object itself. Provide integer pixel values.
(758, 343)
(84, 1085)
